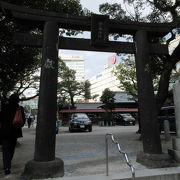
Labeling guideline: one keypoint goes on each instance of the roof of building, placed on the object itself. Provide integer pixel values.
(121, 110)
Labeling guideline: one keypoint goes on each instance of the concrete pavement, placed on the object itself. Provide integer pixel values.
(84, 153)
(144, 174)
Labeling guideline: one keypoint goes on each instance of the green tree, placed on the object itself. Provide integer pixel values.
(68, 87)
(18, 62)
(62, 102)
(87, 92)
(108, 101)
(94, 97)
(126, 74)
(151, 11)
(25, 83)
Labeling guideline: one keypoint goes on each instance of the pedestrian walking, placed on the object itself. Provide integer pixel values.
(29, 121)
(11, 130)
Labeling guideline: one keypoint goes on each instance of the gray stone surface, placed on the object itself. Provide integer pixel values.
(175, 151)
(155, 160)
(83, 153)
(176, 93)
(145, 174)
(176, 143)
(167, 130)
(34, 169)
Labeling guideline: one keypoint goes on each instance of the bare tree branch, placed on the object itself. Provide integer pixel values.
(29, 98)
(173, 36)
(161, 5)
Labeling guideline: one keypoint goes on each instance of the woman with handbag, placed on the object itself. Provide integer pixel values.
(10, 132)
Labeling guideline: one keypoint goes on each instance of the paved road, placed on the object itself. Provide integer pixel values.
(83, 153)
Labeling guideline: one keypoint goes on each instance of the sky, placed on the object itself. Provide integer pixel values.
(94, 61)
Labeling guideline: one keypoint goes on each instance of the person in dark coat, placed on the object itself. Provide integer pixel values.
(10, 133)
(29, 121)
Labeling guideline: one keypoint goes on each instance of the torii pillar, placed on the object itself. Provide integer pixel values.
(45, 164)
(152, 151)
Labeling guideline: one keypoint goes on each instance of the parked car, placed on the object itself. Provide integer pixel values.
(80, 121)
(167, 113)
(125, 119)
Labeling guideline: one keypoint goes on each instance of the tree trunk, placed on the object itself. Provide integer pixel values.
(164, 85)
(72, 102)
(165, 77)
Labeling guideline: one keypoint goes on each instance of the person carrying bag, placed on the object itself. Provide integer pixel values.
(18, 118)
(12, 121)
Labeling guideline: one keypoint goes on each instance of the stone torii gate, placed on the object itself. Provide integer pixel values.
(44, 163)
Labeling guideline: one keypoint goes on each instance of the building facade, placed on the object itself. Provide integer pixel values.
(103, 80)
(107, 79)
(75, 62)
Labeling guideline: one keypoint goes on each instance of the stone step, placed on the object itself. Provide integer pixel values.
(144, 174)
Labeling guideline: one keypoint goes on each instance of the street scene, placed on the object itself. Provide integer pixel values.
(83, 153)
(85, 83)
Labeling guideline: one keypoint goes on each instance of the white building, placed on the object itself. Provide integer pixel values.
(107, 79)
(75, 62)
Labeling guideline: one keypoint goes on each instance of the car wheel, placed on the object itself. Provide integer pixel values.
(90, 129)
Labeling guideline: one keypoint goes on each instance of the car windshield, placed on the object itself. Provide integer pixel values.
(126, 115)
(80, 116)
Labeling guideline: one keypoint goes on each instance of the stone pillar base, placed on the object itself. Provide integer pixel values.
(175, 151)
(155, 160)
(175, 154)
(37, 170)
(176, 143)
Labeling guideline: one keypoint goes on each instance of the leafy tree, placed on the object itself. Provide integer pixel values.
(87, 92)
(155, 11)
(94, 97)
(108, 100)
(62, 102)
(126, 74)
(68, 87)
(18, 62)
(27, 109)
(26, 83)
(79, 101)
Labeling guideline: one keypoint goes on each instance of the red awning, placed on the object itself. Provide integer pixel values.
(121, 110)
